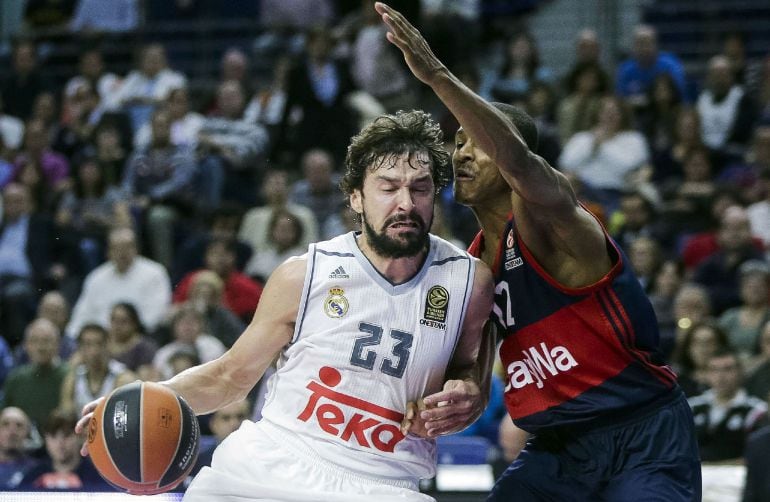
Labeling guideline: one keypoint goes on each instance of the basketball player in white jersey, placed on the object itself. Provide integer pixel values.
(362, 325)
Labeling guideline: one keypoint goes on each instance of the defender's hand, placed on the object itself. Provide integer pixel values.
(418, 55)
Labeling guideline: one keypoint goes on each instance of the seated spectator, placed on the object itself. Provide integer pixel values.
(759, 212)
(744, 323)
(35, 387)
(185, 123)
(111, 151)
(636, 217)
(665, 285)
(658, 119)
(241, 293)
(91, 71)
(187, 330)
(757, 457)
(54, 307)
(606, 157)
(701, 340)
(126, 276)
(725, 415)
(318, 189)
(93, 373)
(586, 84)
(207, 294)
(24, 81)
(128, 343)
(275, 192)
(285, 240)
(645, 257)
(719, 273)
(758, 379)
(80, 115)
(15, 462)
(146, 87)
(691, 305)
(62, 468)
(54, 167)
(11, 129)
(160, 182)
(685, 138)
(232, 150)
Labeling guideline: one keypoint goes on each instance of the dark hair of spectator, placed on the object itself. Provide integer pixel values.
(685, 361)
(602, 79)
(387, 136)
(92, 326)
(130, 309)
(60, 420)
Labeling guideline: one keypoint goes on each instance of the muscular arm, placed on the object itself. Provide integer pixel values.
(562, 235)
(230, 377)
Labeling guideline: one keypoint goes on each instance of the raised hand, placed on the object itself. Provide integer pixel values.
(418, 55)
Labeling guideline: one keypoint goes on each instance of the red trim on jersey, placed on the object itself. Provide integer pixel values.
(608, 277)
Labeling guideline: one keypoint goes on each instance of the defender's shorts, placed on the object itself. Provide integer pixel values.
(652, 457)
(261, 462)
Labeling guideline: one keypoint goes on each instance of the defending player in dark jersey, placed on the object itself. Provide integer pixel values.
(579, 336)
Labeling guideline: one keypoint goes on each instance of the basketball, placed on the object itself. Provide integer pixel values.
(143, 438)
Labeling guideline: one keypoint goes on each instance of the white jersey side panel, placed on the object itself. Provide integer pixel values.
(362, 349)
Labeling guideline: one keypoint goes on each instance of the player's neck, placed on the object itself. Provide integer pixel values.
(396, 270)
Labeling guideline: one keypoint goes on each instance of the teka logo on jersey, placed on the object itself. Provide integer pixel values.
(537, 365)
(372, 429)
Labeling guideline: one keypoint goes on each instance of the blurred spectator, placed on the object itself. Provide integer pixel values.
(318, 189)
(80, 117)
(440, 21)
(36, 387)
(606, 157)
(187, 327)
(758, 380)
(664, 289)
(46, 109)
(15, 462)
(685, 138)
(161, 184)
(148, 86)
(182, 359)
(645, 257)
(185, 123)
(232, 149)
(47, 14)
(95, 374)
(658, 120)
(275, 192)
(636, 74)
(128, 342)
(24, 82)
(111, 152)
(719, 273)
(701, 340)
(757, 457)
(319, 87)
(234, 65)
(53, 167)
(759, 212)
(588, 49)
(30, 250)
(691, 306)
(207, 295)
(90, 209)
(268, 103)
(105, 16)
(726, 111)
(56, 308)
(688, 201)
(285, 236)
(635, 218)
(743, 324)
(125, 277)
(62, 468)
(520, 69)
(221, 223)
(540, 104)
(585, 85)
(725, 415)
(372, 56)
(11, 129)
(92, 71)
(241, 293)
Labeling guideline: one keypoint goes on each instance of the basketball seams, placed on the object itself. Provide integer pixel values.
(105, 447)
(178, 440)
(141, 433)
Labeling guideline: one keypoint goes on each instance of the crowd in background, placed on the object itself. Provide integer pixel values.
(140, 220)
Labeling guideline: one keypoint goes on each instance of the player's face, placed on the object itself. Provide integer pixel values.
(396, 205)
(476, 177)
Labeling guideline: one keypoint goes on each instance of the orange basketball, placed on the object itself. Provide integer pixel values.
(144, 438)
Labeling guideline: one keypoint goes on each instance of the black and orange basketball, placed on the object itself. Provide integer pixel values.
(144, 438)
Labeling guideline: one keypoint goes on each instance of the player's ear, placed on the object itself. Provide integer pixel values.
(356, 204)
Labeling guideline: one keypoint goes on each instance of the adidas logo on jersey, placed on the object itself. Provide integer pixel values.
(339, 273)
(537, 365)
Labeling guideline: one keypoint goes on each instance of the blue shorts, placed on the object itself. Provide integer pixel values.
(652, 457)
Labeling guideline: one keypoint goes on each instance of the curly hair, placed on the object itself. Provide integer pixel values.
(409, 133)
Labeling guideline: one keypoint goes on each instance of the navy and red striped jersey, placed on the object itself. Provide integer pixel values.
(574, 357)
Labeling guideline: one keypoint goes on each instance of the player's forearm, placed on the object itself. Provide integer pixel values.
(486, 125)
(207, 387)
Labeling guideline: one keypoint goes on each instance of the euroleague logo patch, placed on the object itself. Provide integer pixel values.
(336, 305)
(436, 303)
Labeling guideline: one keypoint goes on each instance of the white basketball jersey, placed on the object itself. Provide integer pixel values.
(362, 348)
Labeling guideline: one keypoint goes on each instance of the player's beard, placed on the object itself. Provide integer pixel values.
(406, 245)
